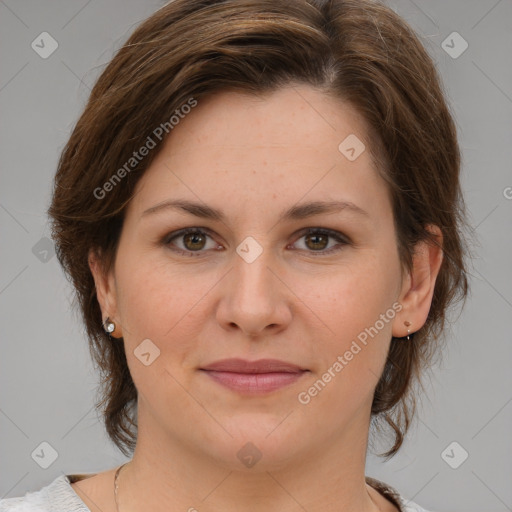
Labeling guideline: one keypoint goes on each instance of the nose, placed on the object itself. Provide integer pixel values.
(254, 298)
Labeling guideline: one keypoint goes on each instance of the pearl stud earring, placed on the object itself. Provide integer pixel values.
(109, 326)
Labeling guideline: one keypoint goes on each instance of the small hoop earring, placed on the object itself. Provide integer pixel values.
(109, 326)
(408, 324)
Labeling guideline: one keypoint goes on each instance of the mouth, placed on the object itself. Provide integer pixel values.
(254, 377)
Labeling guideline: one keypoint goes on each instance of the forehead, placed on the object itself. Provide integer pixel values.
(277, 146)
(295, 115)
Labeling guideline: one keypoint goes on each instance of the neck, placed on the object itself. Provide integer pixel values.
(165, 474)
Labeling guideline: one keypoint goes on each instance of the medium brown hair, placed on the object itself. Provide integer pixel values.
(358, 51)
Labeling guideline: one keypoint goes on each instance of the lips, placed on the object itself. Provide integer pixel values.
(253, 377)
(254, 367)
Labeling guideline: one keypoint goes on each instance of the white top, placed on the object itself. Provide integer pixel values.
(59, 496)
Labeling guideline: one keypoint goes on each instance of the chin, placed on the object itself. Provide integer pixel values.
(260, 443)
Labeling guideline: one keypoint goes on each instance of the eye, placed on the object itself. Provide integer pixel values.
(194, 240)
(317, 239)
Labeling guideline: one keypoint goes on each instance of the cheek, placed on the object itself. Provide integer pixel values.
(357, 303)
(359, 313)
(352, 298)
(154, 305)
(159, 301)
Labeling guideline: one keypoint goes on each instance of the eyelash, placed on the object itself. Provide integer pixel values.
(343, 240)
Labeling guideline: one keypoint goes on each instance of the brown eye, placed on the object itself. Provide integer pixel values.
(194, 241)
(317, 242)
(190, 241)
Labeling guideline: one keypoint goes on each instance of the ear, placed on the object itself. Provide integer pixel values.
(418, 286)
(105, 291)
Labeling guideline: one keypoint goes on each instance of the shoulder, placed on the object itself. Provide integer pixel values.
(401, 502)
(58, 496)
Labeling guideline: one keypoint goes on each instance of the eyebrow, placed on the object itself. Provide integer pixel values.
(296, 212)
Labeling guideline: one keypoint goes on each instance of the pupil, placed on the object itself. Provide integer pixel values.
(315, 240)
(196, 239)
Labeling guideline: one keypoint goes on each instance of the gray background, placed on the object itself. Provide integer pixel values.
(47, 382)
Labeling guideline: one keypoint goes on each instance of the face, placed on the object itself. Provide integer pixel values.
(263, 277)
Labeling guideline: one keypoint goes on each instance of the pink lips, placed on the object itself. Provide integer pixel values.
(254, 377)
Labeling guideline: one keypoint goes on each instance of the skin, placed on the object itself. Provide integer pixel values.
(254, 158)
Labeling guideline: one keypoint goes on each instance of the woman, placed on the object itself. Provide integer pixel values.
(260, 212)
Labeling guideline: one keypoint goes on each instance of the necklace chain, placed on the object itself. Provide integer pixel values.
(116, 484)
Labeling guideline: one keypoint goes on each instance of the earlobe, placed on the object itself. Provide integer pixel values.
(105, 292)
(418, 289)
